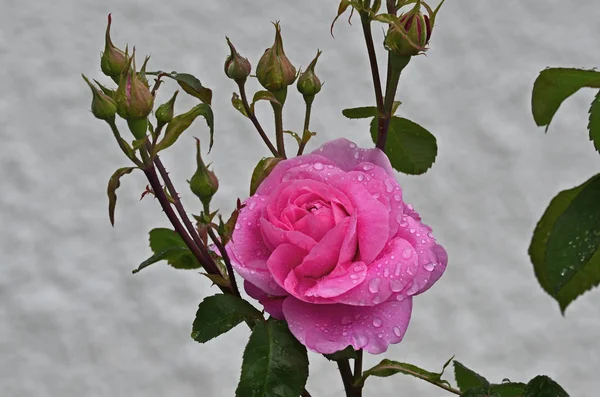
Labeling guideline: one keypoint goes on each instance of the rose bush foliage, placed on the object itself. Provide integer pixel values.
(328, 244)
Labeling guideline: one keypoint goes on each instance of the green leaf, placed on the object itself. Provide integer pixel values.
(388, 368)
(476, 392)
(192, 86)
(113, 184)
(264, 96)
(565, 246)
(347, 353)
(261, 171)
(238, 104)
(169, 254)
(467, 379)
(411, 148)
(508, 390)
(275, 364)
(162, 240)
(182, 122)
(543, 386)
(367, 111)
(594, 122)
(553, 86)
(219, 313)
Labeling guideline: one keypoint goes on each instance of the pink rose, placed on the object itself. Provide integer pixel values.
(327, 244)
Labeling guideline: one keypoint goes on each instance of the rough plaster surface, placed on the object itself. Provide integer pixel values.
(74, 321)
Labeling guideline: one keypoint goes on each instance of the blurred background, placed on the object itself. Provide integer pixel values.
(74, 321)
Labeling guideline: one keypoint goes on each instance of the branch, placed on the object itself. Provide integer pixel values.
(226, 259)
(254, 120)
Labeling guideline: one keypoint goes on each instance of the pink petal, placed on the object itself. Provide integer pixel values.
(272, 304)
(284, 259)
(329, 328)
(341, 280)
(347, 156)
(247, 242)
(274, 237)
(257, 273)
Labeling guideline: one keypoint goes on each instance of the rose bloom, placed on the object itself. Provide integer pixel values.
(328, 244)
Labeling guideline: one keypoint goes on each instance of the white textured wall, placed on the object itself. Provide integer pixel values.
(75, 322)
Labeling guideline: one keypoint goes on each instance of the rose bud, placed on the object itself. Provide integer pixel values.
(410, 35)
(308, 83)
(164, 113)
(134, 100)
(103, 106)
(274, 70)
(204, 183)
(142, 73)
(113, 60)
(237, 67)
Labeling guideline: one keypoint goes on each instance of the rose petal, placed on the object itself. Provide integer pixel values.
(257, 273)
(283, 260)
(274, 237)
(346, 155)
(247, 242)
(340, 281)
(272, 304)
(327, 329)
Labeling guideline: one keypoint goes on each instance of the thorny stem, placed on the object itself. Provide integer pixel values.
(226, 259)
(305, 131)
(254, 120)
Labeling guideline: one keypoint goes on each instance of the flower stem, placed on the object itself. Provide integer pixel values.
(347, 378)
(254, 120)
(396, 64)
(358, 370)
(226, 259)
(305, 131)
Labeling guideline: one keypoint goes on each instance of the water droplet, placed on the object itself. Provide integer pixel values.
(376, 300)
(304, 165)
(407, 253)
(505, 380)
(360, 341)
(356, 155)
(563, 272)
(429, 267)
(237, 226)
(376, 195)
(347, 320)
(249, 223)
(423, 241)
(358, 268)
(252, 271)
(386, 272)
(397, 197)
(352, 145)
(380, 335)
(399, 297)
(410, 207)
(388, 186)
(412, 231)
(377, 322)
(361, 178)
(410, 271)
(396, 285)
(374, 285)
(397, 331)
(398, 269)
(318, 166)
(354, 276)
(368, 167)
(330, 166)
(412, 290)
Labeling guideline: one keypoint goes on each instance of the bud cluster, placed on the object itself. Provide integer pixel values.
(411, 33)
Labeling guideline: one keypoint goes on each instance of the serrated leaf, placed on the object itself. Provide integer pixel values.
(275, 364)
(162, 239)
(411, 148)
(263, 96)
(169, 254)
(237, 103)
(553, 86)
(467, 378)
(508, 389)
(182, 122)
(347, 353)
(594, 122)
(388, 368)
(219, 313)
(193, 86)
(543, 386)
(113, 184)
(261, 171)
(361, 112)
(565, 248)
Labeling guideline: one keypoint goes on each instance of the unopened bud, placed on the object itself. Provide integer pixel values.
(308, 83)
(103, 106)
(134, 100)
(164, 113)
(113, 60)
(237, 67)
(204, 183)
(410, 35)
(274, 70)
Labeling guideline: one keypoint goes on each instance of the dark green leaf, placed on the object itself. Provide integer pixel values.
(543, 386)
(388, 368)
(508, 389)
(366, 111)
(275, 363)
(261, 171)
(219, 313)
(182, 122)
(411, 148)
(162, 240)
(476, 392)
(467, 379)
(238, 104)
(264, 96)
(113, 184)
(169, 254)
(347, 353)
(594, 122)
(565, 245)
(192, 86)
(553, 86)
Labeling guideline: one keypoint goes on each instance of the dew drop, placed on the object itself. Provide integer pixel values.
(318, 166)
(356, 155)
(397, 197)
(397, 331)
(352, 145)
(360, 341)
(354, 276)
(303, 165)
(358, 268)
(412, 231)
(252, 271)
(388, 186)
(399, 297)
(374, 285)
(396, 285)
(237, 226)
(377, 322)
(398, 269)
(429, 267)
(376, 195)
(376, 300)
(386, 272)
(412, 290)
(380, 336)
(410, 207)
(423, 241)
(361, 178)
(367, 167)
(407, 253)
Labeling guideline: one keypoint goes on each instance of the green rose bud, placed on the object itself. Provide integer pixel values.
(113, 60)
(308, 83)
(164, 113)
(204, 183)
(236, 67)
(274, 70)
(103, 106)
(134, 100)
